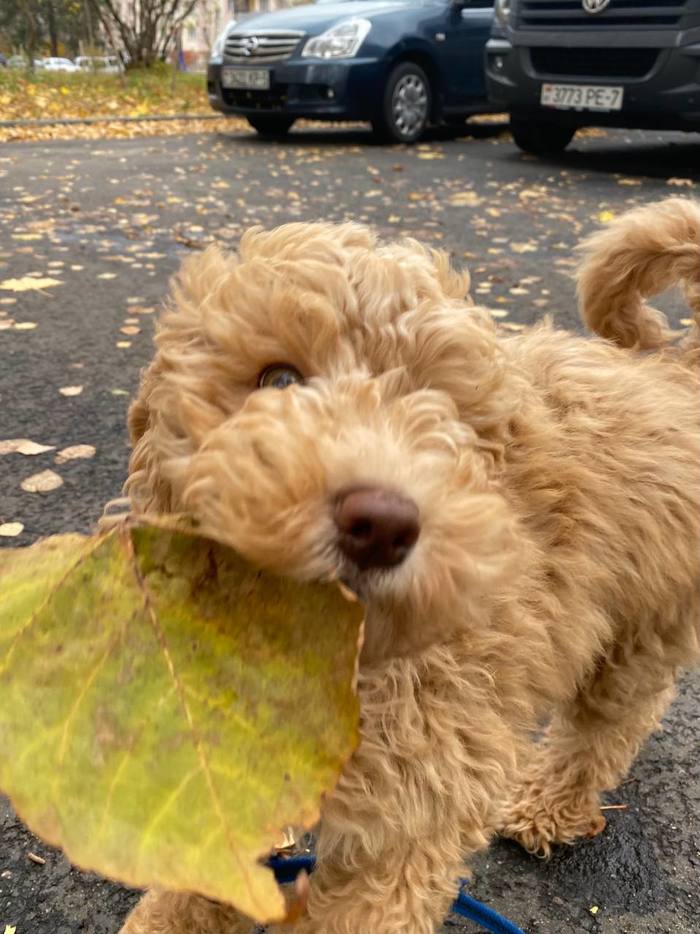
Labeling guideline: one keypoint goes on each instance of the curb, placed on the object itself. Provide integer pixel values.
(70, 121)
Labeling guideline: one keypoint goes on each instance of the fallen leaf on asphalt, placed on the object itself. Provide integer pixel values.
(75, 452)
(680, 182)
(532, 194)
(43, 482)
(27, 283)
(10, 929)
(70, 390)
(247, 682)
(606, 216)
(130, 329)
(11, 529)
(465, 199)
(25, 325)
(24, 446)
(523, 247)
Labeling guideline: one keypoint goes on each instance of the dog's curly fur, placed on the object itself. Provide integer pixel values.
(556, 573)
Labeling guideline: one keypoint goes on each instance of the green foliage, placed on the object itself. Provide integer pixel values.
(167, 709)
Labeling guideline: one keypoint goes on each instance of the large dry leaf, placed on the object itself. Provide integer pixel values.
(166, 709)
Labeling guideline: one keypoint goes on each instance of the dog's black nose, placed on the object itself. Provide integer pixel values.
(376, 528)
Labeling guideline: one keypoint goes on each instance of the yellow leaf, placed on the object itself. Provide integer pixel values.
(43, 482)
(185, 706)
(11, 530)
(70, 390)
(27, 283)
(465, 199)
(606, 216)
(75, 452)
(24, 446)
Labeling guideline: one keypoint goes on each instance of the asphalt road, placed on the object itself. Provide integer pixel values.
(110, 221)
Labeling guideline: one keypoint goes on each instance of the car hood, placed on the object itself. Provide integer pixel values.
(316, 17)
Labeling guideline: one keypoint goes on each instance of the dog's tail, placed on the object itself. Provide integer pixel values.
(642, 253)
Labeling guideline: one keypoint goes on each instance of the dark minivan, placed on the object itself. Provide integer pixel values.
(557, 65)
(399, 64)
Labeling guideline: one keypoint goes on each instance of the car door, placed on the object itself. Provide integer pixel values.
(467, 29)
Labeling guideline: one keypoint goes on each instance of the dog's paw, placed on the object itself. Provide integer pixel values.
(537, 822)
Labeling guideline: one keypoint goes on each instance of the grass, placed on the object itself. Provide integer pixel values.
(141, 93)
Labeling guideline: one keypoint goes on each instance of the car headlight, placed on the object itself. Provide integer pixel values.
(216, 55)
(504, 11)
(340, 41)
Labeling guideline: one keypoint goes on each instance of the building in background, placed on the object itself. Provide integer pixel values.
(208, 18)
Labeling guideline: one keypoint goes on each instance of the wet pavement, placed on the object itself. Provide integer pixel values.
(109, 222)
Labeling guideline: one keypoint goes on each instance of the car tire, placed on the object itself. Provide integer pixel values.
(541, 139)
(271, 125)
(406, 105)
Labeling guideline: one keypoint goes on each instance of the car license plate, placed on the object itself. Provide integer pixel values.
(582, 96)
(256, 78)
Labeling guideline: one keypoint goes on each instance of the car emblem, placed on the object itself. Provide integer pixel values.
(250, 44)
(595, 6)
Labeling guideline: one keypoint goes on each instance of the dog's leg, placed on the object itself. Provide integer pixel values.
(421, 793)
(180, 913)
(588, 748)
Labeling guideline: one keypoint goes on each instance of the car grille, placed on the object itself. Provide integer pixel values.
(534, 14)
(594, 63)
(247, 48)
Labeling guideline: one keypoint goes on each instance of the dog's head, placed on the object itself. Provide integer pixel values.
(333, 407)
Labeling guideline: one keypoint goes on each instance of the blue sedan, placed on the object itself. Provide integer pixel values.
(399, 64)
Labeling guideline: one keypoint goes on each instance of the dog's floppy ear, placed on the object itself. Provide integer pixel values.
(156, 430)
(146, 487)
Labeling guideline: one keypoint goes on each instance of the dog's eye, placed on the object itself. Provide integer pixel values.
(279, 376)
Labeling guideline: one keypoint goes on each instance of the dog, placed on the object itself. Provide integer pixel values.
(519, 513)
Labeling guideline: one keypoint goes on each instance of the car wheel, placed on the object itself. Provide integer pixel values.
(271, 124)
(406, 105)
(541, 139)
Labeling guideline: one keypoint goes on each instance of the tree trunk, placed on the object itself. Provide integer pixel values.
(53, 31)
(32, 31)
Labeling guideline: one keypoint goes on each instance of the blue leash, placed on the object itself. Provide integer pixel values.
(287, 869)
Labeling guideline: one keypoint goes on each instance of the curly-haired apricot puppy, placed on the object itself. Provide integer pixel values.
(519, 513)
